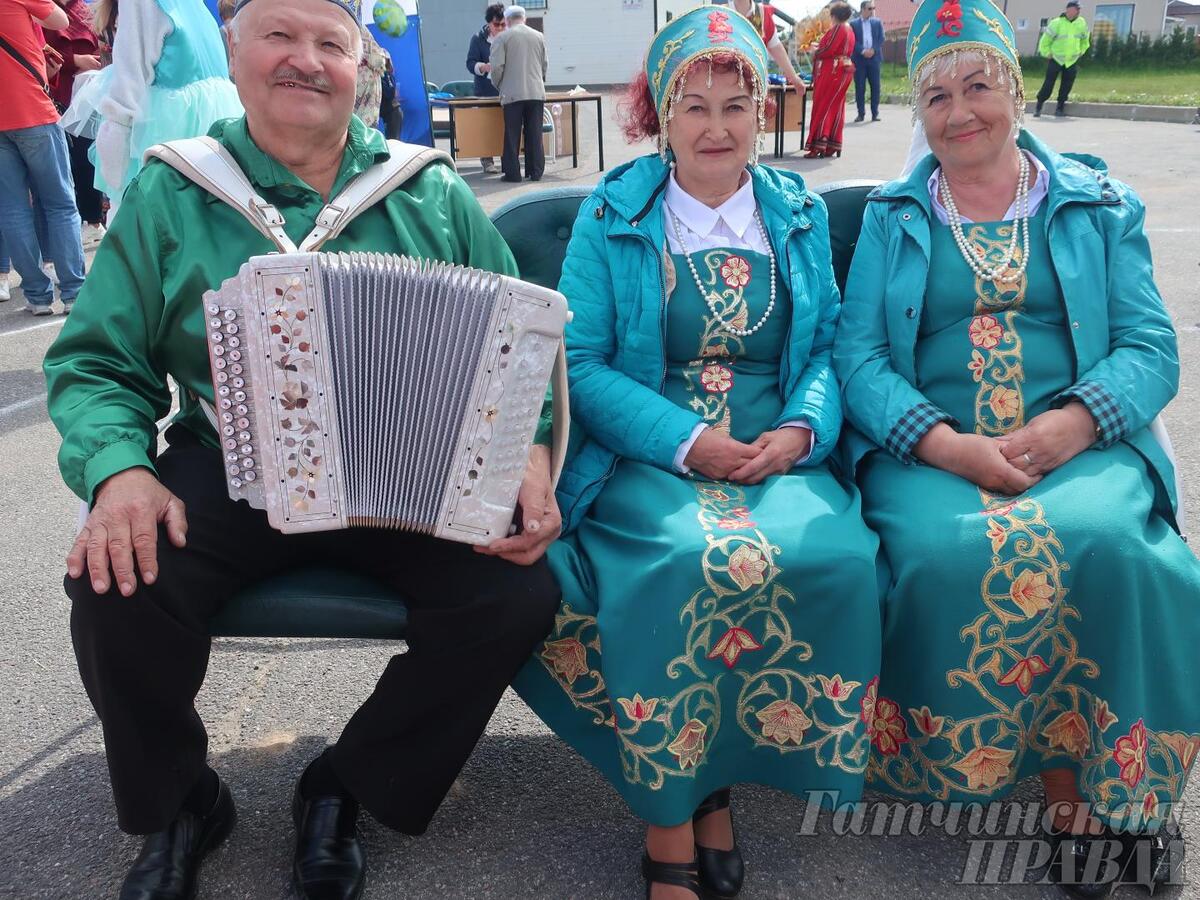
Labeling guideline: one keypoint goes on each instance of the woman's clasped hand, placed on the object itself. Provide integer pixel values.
(718, 456)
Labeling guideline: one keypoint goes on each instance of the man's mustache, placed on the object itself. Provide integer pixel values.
(316, 82)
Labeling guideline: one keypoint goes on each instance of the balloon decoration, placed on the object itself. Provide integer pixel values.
(390, 18)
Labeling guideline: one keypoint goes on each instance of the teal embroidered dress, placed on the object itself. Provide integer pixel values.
(1054, 629)
(713, 633)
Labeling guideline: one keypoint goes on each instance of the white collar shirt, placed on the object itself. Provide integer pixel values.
(729, 225)
(1037, 194)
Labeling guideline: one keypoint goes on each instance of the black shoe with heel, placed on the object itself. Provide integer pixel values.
(721, 871)
(682, 875)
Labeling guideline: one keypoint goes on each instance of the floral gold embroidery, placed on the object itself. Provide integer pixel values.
(1031, 590)
(1130, 754)
(927, 723)
(835, 688)
(716, 378)
(1070, 731)
(985, 767)
(746, 566)
(736, 272)
(689, 745)
(784, 722)
(637, 709)
(732, 644)
(985, 332)
(1184, 746)
(568, 658)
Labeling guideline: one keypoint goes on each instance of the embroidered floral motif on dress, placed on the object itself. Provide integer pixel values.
(1021, 655)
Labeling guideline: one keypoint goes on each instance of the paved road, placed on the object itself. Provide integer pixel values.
(528, 817)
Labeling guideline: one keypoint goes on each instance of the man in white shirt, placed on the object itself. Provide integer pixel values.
(868, 58)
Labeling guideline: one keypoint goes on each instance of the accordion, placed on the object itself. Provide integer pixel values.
(364, 390)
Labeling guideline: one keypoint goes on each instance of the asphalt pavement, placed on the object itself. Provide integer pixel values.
(527, 817)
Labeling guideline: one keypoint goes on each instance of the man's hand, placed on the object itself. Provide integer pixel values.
(1050, 440)
(868, 53)
(485, 68)
(779, 451)
(124, 524)
(86, 62)
(974, 457)
(541, 521)
(716, 455)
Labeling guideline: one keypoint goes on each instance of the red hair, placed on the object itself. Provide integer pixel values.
(639, 118)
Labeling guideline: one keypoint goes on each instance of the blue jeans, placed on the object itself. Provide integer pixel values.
(35, 161)
(5, 263)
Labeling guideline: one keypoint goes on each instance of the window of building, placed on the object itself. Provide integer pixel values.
(1120, 15)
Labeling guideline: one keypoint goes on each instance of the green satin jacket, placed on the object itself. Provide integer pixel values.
(139, 315)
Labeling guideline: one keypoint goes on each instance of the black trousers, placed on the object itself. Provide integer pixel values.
(87, 198)
(523, 118)
(1064, 89)
(473, 621)
(867, 71)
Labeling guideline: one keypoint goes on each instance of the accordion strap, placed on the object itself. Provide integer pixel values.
(211, 166)
(369, 188)
(208, 164)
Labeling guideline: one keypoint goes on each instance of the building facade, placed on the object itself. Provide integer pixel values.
(1118, 19)
(588, 42)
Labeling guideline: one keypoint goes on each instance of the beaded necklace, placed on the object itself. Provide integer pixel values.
(709, 298)
(1006, 270)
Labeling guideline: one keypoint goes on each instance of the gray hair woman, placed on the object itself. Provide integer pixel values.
(1002, 350)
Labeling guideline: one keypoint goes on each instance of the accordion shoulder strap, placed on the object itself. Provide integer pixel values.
(211, 166)
(208, 164)
(369, 188)
(562, 414)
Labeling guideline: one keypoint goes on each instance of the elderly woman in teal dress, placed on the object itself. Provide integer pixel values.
(720, 616)
(1003, 350)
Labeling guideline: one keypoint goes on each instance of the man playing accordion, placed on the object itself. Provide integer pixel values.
(163, 547)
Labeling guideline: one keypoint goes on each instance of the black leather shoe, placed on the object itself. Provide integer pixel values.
(670, 875)
(1060, 112)
(169, 861)
(329, 862)
(859, 118)
(721, 871)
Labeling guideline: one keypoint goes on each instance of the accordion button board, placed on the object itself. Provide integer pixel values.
(367, 390)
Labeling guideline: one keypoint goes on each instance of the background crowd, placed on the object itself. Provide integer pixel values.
(89, 87)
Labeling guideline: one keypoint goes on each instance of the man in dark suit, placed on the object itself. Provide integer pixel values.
(868, 58)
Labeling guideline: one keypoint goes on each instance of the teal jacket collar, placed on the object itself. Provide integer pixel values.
(1074, 178)
(634, 191)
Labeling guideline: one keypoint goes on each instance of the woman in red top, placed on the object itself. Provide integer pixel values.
(832, 74)
(762, 17)
(80, 51)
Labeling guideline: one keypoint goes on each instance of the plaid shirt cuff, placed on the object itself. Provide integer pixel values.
(913, 426)
(1110, 421)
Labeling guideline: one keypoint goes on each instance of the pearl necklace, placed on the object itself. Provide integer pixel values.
(710, 298)
(1006, 271)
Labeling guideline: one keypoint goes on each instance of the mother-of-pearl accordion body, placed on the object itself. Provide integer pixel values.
(369, 390)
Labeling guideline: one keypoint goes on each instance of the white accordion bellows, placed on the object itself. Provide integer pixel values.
(369, 390)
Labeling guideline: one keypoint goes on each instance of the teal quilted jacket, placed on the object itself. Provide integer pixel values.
(614, 278)
(1125, 353)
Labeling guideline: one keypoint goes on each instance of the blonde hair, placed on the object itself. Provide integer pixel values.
(104, 19)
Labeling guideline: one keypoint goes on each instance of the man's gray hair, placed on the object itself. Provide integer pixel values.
(514, 12)
(355, 38)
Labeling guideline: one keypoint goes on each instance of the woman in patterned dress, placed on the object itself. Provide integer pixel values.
(720, 616)
(833, 73)
(1002, 360)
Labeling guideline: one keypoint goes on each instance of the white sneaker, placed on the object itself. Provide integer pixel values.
(39, 309)
(92, 235)
(5, 290)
